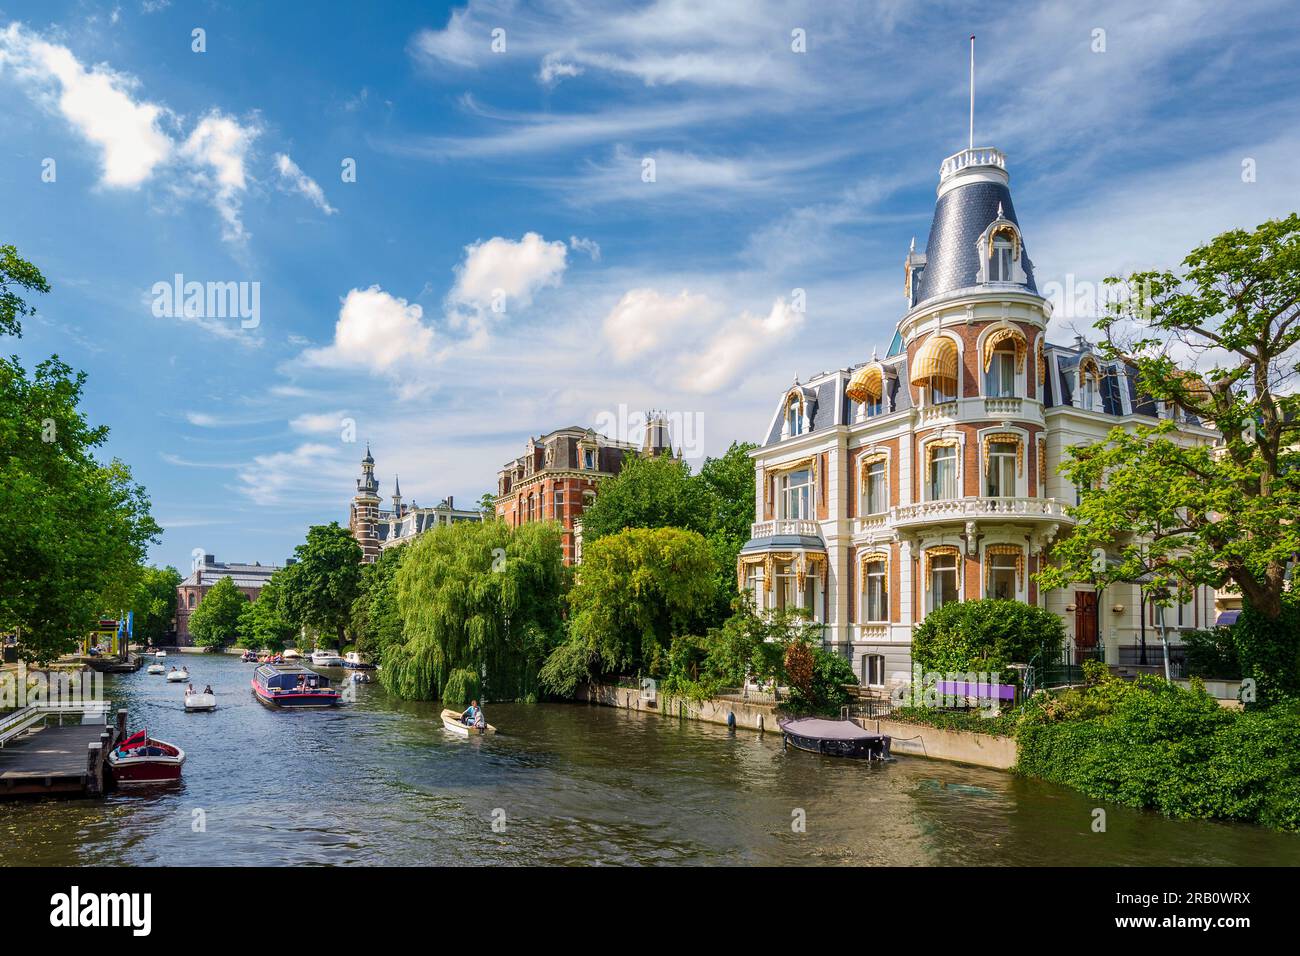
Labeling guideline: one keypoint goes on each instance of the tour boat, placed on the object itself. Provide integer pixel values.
(326, 659)
(451, 721)
(155, 668)
(288, 685)
(140, 760)
(835, 738)
(200, 702)
(177, 676)
(352, 660)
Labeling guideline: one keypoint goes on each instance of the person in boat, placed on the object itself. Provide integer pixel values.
(189, 691)
(208, 689)
(473, 716)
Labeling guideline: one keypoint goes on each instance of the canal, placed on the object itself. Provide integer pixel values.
(380, 781)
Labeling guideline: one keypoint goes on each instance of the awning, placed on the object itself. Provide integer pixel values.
(936, 358)
(1002, 334)
(1227, 618)
(867, 383)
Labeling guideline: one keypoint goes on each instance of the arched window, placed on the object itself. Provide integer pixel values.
(1089, 384)
(1000, 379)
(1004, 570)
(1000, 265)
(191, 600)
(875, 485)
(941, 572)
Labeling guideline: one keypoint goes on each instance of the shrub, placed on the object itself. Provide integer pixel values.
(1212, 653)
(823, 692)
(984, 635)
(1269, 650)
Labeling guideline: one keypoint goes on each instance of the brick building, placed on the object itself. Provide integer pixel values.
(559, 474)
(248, 578)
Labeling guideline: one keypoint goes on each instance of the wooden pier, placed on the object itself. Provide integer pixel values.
(58, 748)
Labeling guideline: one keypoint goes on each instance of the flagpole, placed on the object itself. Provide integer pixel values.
(972, 91)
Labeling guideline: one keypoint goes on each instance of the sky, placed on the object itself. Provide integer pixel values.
(445, 228)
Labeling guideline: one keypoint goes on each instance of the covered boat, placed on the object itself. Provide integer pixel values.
(451, 721)
(200, 702)
(352, 660)
(835, 738)
(288, 685)
(139, 761)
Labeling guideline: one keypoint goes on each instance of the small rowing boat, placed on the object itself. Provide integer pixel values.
(156, 669)
(176, 676)
(451, 721)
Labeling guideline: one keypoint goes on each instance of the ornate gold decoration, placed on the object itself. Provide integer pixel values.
(993, 549)
(868, 382)
(1042, 362)
(1010, 232)
(1009, 438)
(935, 443)
(1042, 468)
(1000, 335)
(742, 563)
(936, 358)
(1088, 367)
(941, 551)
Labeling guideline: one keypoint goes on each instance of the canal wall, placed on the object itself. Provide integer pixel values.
(913, 740)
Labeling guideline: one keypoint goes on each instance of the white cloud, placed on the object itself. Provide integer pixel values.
(517, 269)
(590, 246)
(318, 423)
(298, 181)
(378, 333)
(302, 472)
(218, 148)
(554, 68)
(98, 103)
(686, 340)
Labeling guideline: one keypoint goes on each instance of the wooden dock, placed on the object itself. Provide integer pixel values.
(57, 749)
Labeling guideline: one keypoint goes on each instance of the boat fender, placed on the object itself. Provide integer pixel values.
(760, 722)
(731, 719)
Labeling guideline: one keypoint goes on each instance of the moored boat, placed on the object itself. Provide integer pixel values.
(195, 703)
(292, 654)
(452, 722)
(835, 738)
(352, 660)
(288, 685)
(320, 658)
(140, 761)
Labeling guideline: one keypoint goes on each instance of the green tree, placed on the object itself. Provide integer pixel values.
(1200, 514)
(319, 589)
(74, 532)
(376, 618)
(263, 623)
(215, 622)
(984, 635)
(481, 606)
(637, 590)
(154, 604)
(648, 493)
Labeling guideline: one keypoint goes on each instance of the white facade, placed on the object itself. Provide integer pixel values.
(890, 487)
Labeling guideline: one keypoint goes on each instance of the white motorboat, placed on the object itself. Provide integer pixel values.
(291, 654)
(176, 676)
(321, 658)
(161, 654)
(155, 669)
(200, 702)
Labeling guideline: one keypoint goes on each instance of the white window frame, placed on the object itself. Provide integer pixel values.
(932, 460)
(789, 492)
(867, 578)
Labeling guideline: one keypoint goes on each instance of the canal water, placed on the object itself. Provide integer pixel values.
(380, 781)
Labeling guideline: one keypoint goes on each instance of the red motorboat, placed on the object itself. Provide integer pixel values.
(140, 761)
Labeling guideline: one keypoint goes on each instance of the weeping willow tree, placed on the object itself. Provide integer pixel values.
(482, 607)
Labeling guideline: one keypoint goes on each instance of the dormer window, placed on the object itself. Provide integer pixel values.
(794, 416)
(1000, 253)
(1000, 267)
(867, 388)
(589, 459)
(1088, 393)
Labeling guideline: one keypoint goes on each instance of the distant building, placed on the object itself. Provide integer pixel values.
(376, 529)
(557, 477)
(248, 578)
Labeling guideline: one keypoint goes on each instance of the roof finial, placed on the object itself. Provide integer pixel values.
(1000, 216)
(912, 247)
(873, 353)
(972, 91)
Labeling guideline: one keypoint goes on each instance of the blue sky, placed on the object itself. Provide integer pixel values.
(500, 267)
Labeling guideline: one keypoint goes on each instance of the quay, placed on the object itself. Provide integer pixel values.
(58, 748)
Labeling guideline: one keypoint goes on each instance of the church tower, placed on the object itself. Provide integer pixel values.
(365, 511)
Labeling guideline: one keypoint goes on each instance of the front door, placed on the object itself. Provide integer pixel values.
(1085, 619)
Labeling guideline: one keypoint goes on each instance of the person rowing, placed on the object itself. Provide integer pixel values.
(473, 716)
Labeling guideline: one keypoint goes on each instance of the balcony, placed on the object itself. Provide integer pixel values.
(979, 156)
(1003, 407)
(969, 509)
(784, 526)
(945, 412)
